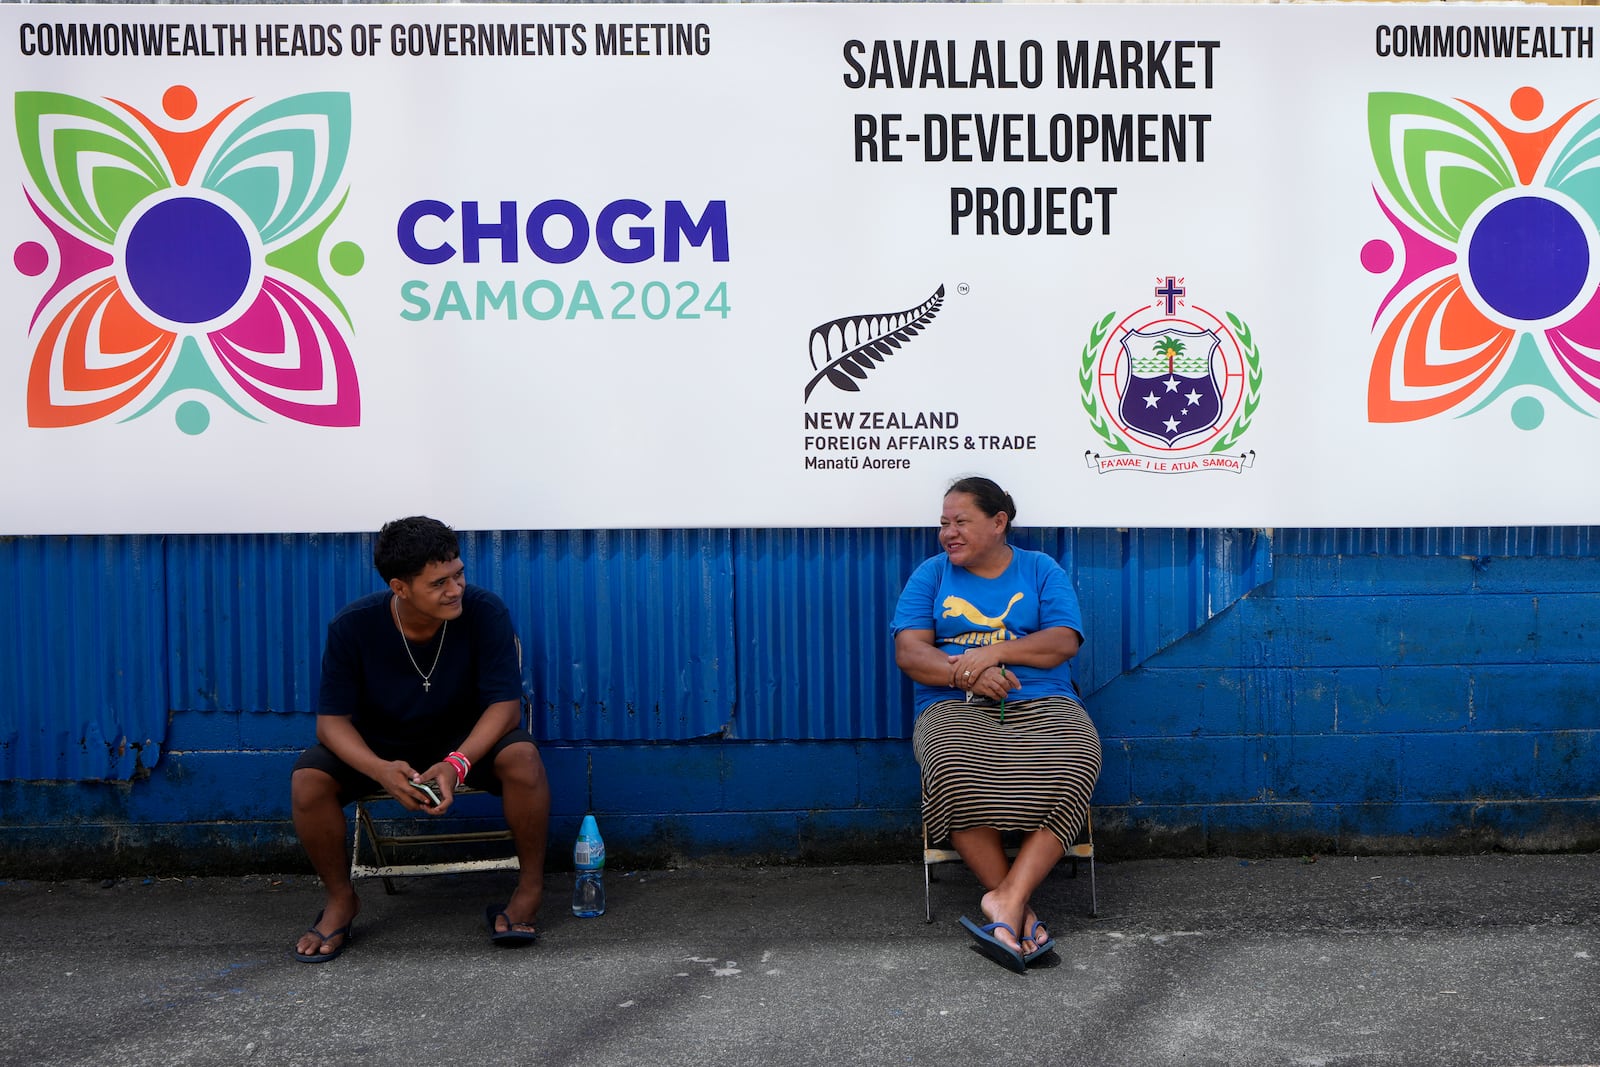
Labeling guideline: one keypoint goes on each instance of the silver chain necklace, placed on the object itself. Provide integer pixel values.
(426, 685)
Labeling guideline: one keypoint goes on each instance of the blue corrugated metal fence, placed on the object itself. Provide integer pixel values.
(632, 635)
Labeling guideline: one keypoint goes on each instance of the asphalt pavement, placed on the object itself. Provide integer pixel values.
(1310, 961)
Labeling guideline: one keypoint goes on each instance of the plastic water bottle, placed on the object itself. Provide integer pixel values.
(589, 860)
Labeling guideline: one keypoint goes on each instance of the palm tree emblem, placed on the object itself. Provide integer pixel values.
(1171, 348)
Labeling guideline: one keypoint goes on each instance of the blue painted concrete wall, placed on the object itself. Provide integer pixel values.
(1371, 702)
(1359, 691)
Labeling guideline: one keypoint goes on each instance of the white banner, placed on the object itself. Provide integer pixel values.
(302, 268)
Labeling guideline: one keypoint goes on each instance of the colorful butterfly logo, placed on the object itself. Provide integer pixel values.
(1498, 285)
(188, 260)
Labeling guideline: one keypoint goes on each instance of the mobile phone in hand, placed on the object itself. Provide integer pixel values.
(428, 791)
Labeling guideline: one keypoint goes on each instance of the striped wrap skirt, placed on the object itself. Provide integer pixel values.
(1034, 770)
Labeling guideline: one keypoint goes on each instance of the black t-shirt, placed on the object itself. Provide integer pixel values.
(367, 675)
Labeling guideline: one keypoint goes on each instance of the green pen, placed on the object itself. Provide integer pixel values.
(1003, 677)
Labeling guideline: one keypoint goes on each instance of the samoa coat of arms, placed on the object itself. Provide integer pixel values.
(1170, 388)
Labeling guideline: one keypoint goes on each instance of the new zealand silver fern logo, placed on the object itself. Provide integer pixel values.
(845, 351)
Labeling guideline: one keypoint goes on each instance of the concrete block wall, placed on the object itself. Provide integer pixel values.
(1368, 703)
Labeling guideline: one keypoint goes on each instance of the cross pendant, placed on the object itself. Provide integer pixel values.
(426, 685)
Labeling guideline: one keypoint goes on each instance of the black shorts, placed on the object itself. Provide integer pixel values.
(353, 784)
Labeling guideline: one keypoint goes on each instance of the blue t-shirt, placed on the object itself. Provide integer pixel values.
(367, 675)
(964, 611)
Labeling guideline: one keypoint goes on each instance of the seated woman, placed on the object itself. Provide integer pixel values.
(985, 631)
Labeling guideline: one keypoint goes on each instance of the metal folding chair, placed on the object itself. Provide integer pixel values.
(1082, 849)
(379, 843)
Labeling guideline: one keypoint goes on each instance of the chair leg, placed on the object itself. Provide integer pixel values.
(355, 841)
(1094, 901)
(927, 894)
(364, 819)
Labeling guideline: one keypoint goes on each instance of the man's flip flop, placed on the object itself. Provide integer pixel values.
(1039, 947)
(510, 935)
(993, 947)
(326, 957)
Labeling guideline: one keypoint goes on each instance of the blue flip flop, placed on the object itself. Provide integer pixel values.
(993, 947)
(326, 957)
(1040, 948)
(510, 935)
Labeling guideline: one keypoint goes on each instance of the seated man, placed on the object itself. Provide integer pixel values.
(420, 684)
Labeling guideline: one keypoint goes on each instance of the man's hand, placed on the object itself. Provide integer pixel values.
(396, 778)
(443, 777)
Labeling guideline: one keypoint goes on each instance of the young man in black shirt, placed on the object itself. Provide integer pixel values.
(420, 686)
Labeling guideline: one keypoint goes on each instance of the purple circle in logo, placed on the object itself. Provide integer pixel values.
(188, 260)
(1529, 258)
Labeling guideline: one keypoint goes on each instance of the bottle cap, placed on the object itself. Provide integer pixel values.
(590, 828)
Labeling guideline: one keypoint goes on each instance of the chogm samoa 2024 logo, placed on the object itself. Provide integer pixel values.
(1171, 387)
(1493, 258)
(188, 260)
